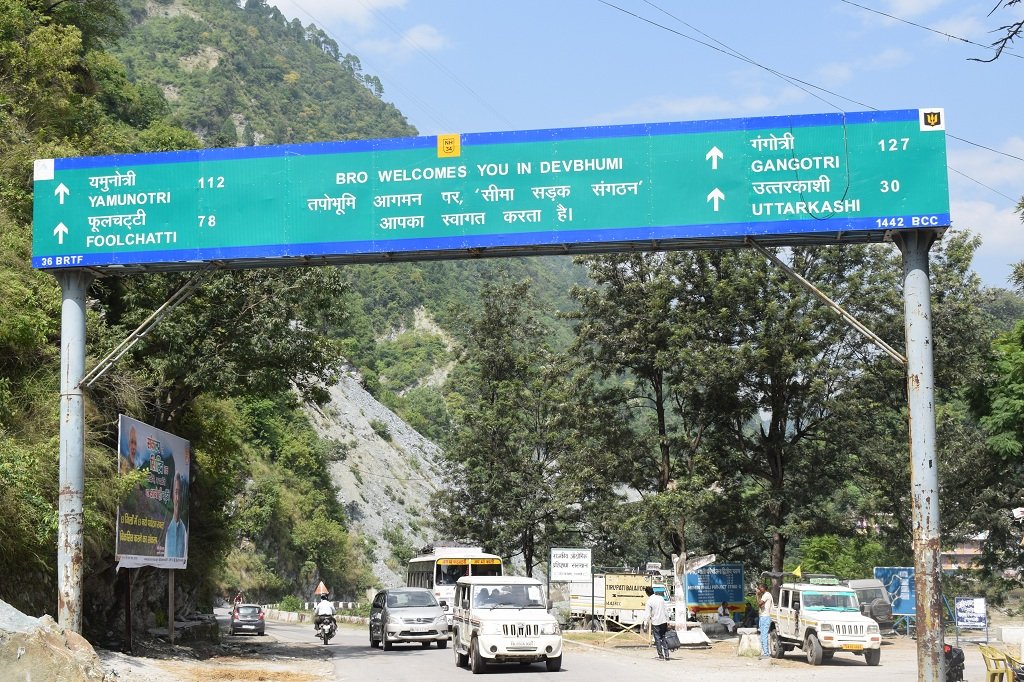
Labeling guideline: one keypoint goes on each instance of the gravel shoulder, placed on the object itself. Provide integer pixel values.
(251, 660)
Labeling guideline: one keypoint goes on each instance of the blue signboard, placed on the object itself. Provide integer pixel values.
(708, 587)
(899, 583)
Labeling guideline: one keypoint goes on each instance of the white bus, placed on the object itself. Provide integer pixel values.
(441, 567)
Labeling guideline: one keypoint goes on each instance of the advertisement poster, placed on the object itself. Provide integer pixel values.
(152, 522)
(708, 587)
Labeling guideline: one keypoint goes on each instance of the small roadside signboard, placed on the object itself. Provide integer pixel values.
(571, 565)
(626, 591)
(971, 613)
(786, 180)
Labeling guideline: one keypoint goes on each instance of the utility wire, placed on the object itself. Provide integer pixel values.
(427, 109)
(928, 28)
(981, 183)
(796, 82)
(989, 149)
(731, 52)
(429, 57)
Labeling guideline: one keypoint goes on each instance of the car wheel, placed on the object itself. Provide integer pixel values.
(873, 656)
(775, 649)
(384, 641)
(373, 643)
(476, 661)
(812, 647)
(442, 643)
(426, 645)
(554, 664)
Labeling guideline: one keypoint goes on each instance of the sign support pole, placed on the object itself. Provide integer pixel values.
(170, 606)
(71, 517)
(924, 463)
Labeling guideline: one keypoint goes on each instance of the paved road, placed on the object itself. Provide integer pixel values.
(353, 659)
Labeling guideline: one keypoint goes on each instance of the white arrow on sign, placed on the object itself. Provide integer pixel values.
(60, 231)
(716, 196)
(714, 155)
(61, 192)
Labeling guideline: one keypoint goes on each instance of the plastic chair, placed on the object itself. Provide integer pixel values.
(997, 665)
(1016, 665)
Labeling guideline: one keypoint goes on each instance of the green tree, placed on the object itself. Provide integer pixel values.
(512, 435)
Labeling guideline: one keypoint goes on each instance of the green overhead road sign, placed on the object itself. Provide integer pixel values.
(821, 178)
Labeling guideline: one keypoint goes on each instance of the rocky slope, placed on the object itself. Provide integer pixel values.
(386, 478)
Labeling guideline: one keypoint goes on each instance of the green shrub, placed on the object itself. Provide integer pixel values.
(361, 609)
(291, 603)
(381, 429)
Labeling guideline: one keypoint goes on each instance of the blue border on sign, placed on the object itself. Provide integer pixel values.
(477, 139)
(458, 243)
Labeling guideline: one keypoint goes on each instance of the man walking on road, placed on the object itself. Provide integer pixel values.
(657, 616)
(764, 621)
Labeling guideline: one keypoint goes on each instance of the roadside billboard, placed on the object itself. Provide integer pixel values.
(152, 521)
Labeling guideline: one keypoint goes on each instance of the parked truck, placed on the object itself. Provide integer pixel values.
(626, 606)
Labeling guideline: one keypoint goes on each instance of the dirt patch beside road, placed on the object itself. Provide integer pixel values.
(261, 660)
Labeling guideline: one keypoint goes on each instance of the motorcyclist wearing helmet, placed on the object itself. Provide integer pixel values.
(324, 613)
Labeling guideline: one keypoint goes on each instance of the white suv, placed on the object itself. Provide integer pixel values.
(822, 617)
(499, 619)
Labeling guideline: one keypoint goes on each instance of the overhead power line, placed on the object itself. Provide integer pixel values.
(797, 82)
(928, 28)
(429, 57)
(427, 109)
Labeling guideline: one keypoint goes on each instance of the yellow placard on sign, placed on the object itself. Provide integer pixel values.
(485, 561)
(448, 145)
(625, 590)
(453, 562)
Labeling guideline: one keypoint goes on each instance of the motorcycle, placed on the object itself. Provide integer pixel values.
(325, 628)
(954, 658)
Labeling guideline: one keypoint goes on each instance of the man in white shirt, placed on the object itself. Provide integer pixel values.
(764, 620)
(726, 619)
(323, 613)
(656, 613)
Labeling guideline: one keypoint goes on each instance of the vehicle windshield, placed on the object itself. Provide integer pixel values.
(248, 610)
(509, 597)
(449, 574)
(407, 600)
(870, 594)
(830, 601)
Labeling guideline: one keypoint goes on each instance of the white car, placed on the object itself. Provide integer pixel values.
(503, 619)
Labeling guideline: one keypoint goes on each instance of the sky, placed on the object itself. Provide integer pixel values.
(461, 66)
